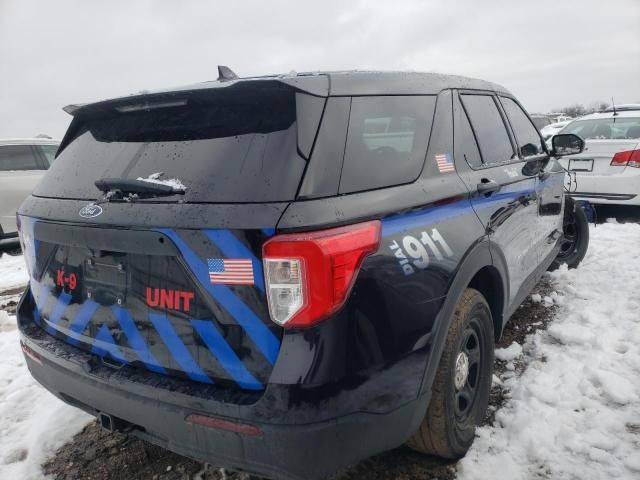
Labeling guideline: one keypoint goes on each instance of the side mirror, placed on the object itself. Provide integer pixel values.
(566, 144)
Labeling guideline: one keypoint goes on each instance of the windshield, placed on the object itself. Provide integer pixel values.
(605, 128)
(231, 144)
(540, 122)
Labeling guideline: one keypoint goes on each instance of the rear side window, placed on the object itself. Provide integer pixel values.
(489, 128)
(17, 157)
(386, 142)
(234, 144)
(529, 141)
(615, 128)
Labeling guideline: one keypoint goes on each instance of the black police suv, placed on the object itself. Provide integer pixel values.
(287, 274)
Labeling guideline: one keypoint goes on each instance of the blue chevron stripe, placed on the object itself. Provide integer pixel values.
(104, 345)
(80, 321)
(255, 328)
(136, 340)
(40, 299)
(58, 310)
(177, 348)
(225, 354)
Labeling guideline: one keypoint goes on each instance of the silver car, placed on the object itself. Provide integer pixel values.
(22, 165)
(608, 169)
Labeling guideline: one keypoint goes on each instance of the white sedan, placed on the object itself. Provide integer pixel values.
(553, 128)
(608, 170)
(22, 164)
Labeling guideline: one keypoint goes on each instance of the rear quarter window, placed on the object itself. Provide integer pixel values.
(386, 141)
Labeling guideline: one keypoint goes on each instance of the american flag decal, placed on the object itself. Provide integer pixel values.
(231, 271)
(445, 165)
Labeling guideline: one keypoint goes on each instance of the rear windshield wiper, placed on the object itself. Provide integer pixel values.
(136, 186)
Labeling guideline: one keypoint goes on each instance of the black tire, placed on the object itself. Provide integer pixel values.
(575, 241)
(448, 428)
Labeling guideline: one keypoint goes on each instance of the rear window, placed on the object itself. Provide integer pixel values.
(233, 144)
(615, 128)
(17, 157)
(386, 141)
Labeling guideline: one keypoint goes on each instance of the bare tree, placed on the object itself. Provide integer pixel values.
(597, 106)
(576, 110)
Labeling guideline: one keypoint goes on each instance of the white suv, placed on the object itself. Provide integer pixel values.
(608, 170)
(22, 164)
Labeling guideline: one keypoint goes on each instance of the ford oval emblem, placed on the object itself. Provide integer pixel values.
(90, 211)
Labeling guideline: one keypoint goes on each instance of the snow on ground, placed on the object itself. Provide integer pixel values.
(13, 272)
(574, 413)
(33, 423)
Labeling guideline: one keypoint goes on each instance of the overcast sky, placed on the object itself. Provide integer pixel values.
(548, 53)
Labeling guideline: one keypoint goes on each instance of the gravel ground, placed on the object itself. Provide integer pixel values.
(98, 455)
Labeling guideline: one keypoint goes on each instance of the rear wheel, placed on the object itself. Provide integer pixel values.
(575, 241)
(460, 390)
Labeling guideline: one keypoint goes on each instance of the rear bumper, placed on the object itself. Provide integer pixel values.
(154, 407)
(620, 189)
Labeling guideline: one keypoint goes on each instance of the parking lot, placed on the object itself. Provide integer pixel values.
(319, 240)
(565, 399)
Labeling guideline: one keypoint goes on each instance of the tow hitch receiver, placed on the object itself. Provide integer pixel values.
(114, 424)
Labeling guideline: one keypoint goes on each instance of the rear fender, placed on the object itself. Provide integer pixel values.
(478, 257)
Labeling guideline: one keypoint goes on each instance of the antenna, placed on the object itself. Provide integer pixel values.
(225, 73)
(613, 104)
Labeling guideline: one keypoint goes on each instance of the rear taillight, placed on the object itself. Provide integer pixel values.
(309, 275)
(629, 158)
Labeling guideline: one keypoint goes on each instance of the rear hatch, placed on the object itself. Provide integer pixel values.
(184, 296)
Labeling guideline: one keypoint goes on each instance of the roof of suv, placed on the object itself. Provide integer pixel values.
(29, 141)
(345, 83)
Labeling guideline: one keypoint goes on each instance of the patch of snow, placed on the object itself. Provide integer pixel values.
(34, 423)
(176, 184)
(574, 413)
(13, 272)
(512, 352)
(536, 298)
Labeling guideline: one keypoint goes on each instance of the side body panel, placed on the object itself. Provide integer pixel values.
(395, 309)
(509, 214)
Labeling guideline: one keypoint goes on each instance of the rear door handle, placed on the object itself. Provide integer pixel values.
(487, 186)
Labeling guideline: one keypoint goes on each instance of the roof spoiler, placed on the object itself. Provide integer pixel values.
(315, 84)
(71, 109)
